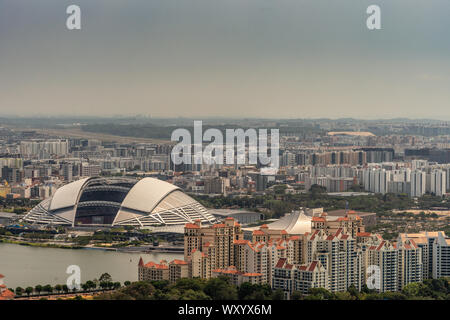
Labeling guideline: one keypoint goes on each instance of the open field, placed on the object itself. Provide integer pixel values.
(77, 133)
(418, 211)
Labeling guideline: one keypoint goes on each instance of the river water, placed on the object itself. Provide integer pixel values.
(29, 266)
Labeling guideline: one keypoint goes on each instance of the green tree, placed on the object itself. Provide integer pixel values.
(195, 284)
(353, 292)
(48, 288)
(19, 291)
(38, 289)
(220, 289)
(393, 296)
(278, 295)
(194, 295)
(160, 284)
(345, 295)
(140, 290)
(413, 289)
(29, 290)
(319, 294)
(65, 288)
(105, 277)
(58, 288)
(296, 295)
(90, 285)
(248, 291)
(280, 189)
(245, 290)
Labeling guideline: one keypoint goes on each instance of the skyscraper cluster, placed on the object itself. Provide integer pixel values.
(336, 254)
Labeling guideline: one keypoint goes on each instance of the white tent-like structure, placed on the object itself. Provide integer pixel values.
(294, 223)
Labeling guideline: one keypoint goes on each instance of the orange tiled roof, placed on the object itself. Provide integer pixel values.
(248, 274)
(280, 263)
(312, 266)
(314, 234)
(381, 245)
(219, 225)
(7, 295)
(363, 234)
(318, 219)
(177, 261)
(156, 266)
(191, 226)
(241, 241)
(229, 270)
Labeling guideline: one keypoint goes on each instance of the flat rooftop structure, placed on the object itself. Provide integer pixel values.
(242, 216)
(8, 215)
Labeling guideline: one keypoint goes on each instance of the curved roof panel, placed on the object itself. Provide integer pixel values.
(147, 193)
(67, 195)
(294, 223)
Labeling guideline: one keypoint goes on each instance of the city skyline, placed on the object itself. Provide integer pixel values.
(261, 59)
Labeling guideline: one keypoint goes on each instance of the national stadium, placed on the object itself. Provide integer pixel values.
(118, 201)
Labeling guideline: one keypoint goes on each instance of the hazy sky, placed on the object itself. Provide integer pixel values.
(249, 58)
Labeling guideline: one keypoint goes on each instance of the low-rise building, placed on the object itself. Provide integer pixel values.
(5, 293)
(236, 277)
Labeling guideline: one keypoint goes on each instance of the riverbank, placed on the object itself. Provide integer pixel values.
(40, 244)
(141, 249)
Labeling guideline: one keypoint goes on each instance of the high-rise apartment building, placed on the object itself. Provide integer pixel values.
(418, 183)
(217, 240)
(438, 181)
(441, 256)
(338, 253)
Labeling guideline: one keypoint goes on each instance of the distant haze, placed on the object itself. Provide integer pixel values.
(227, 58)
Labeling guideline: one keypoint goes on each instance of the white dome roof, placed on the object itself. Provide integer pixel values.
(119, 201)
